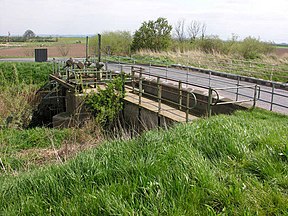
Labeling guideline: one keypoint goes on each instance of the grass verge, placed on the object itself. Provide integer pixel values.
(234, 165)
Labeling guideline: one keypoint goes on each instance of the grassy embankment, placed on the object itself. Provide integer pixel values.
(236, 165)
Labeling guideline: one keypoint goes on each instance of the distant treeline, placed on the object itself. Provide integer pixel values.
(25, 39)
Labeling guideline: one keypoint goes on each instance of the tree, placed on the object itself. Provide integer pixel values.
(194, 29)
(28, 34)
(153, 35)
(203, 30)
(180, 30)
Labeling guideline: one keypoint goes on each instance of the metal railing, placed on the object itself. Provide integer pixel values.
(137, 77)
(256, 97)
(271, 98)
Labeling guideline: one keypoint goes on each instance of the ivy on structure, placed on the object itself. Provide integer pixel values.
(107, 103)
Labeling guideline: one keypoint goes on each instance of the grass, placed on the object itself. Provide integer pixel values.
(21, 149)
(231, 165)
(24, 72)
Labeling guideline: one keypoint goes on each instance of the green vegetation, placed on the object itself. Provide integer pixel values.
(19, 149)
(117, 42)
(18, 85)
(24, 72)
(232, 165)
(107, 103)
(153, 35)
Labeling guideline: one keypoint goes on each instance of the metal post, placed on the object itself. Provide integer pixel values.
(166, 72)
(209, 79)
(99, 47)
(180, 95)
(237, 90)
(187, 106)
(159, 94)
(272, 96)
(106, 66)
(140, 87)
(133, 79)
(86, 48)
(149, 69)
(255, 96)
(209, 105)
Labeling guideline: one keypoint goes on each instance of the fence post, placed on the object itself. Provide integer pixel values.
(237, 90)
(180, 95)
(255, 96)
(209, 104)
(140, 87)
(187, 106)
(272, 96)
(187, 74)
(159, 95)
(149, 68)
(166, 72)
(133, 79)
(209, 79)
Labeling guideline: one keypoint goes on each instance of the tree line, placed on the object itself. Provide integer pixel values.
(158, 35)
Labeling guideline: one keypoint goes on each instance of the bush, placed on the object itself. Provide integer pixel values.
(113, 43)
(153, 35)
(252, 48)
(107, 103)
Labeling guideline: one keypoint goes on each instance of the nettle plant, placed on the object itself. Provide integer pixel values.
(107, 103)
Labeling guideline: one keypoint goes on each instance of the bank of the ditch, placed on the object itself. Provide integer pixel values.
(236, 165)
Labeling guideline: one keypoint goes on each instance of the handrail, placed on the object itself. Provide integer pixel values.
(159, 93)
(211, 90)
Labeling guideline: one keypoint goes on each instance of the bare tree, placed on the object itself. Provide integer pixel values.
(180, 30)
(203, 30)
(194, 29)
(63, 49)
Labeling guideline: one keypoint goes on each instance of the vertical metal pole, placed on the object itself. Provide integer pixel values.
(159, 94)
(209, 79)
(255, 96)
(149, 69)
(99, 47)
(180, 95)
(237, 90)
(187, 106)
(272, 96)
(140, 87)
(133, 79)
(209, 102)
(86, 55)
(166, 72)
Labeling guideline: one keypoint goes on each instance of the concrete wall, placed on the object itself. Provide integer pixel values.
(170, 92)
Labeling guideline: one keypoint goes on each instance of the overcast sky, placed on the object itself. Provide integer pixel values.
(266, 19)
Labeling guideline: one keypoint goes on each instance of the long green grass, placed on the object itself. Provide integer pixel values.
(24, 72)
(224, 165)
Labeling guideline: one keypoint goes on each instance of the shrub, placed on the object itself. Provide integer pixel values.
(252, 48)
(107, 103)
(113, 43)
(153, 35)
